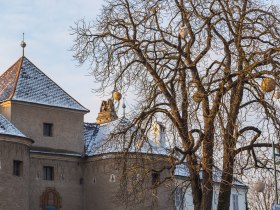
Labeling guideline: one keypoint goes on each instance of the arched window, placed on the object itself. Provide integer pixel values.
(50, 199)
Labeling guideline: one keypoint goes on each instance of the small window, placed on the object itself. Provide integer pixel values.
(17, 171)
(155, 178)
(235, 201)
(47, 129)
(48, 173)
(112, 178)
(179, 197)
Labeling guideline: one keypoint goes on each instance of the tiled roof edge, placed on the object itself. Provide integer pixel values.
(16, 80)
(47, 105)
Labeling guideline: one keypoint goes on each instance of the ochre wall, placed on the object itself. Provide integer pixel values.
(67, 175)
(82, 183)
(5, 109)
(14, 190)
(67, 125)
(100, 193)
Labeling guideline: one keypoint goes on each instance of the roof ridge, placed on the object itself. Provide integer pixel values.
(16, 80)
(7, 80)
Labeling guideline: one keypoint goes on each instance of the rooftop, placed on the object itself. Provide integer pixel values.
(24, 82)
(7, 128)
(98, 139)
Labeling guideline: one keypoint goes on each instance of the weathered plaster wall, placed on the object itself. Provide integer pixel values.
(67, 125)
(67, 175)
(101, 193)
(14, 190)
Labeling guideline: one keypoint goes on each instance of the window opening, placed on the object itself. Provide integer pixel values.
(235, 202)
(47, 129)
(48, 173)
(17, 169)
(155, 178)
(112, 178)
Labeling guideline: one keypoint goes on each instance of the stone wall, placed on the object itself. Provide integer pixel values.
(102, 178)
(67, 125)
(14, 190)
(67, 180)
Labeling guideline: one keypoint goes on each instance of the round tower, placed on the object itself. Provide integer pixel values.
(14, 167)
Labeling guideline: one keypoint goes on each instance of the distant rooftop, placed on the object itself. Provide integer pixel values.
(97, 139)
(24, 82)
(183, 171)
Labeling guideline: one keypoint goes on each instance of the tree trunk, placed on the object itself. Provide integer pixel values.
(195, 182)
(229, 143)
(207, 165)
(227, 177)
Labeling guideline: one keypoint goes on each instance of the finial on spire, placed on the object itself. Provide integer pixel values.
(123, 106)
(23, 44)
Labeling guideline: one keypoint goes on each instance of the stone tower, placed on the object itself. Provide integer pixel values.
(107, 112)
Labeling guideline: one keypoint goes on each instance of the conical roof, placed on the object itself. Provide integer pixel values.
(24, 82)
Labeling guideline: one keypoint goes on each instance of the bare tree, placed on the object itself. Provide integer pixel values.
(197, 66)
(262, 200)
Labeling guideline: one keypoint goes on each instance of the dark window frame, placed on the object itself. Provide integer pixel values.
(48, 173)
(155, 178)
(48, 129)
(17, 168)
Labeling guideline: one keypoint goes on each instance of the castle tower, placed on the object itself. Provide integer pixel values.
(107, 112)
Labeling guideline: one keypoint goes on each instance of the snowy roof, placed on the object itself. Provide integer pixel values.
(23, 81)
(97, 139)
(48, 150)
(7, 128)
(182, 170)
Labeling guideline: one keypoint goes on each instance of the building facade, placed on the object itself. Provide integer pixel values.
(46, 161)
(51, 160)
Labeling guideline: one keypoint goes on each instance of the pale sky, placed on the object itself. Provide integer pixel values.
(46, 26)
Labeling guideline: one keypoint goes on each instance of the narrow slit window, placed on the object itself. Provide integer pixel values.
(17, 168)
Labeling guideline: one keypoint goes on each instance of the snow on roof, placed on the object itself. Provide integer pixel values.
(182, 170)
(7, 128)
(25, 82)
(97, 139)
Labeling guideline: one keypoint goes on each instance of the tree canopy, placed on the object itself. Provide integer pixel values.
(209, 69)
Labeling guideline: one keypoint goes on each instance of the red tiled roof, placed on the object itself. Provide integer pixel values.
(8, 81)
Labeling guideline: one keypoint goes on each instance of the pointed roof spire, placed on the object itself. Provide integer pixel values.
(23, 44)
